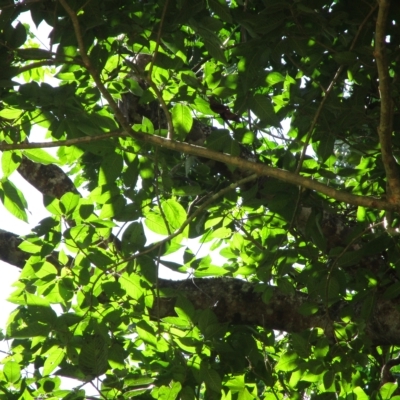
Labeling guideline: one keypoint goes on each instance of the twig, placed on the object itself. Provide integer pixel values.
(164, 106)
(94, 74)
(59, 143)
(327, 93)
(258, 168)
(190, 218)
(158, 38)
(157, 193)
(34, 65)
(251, 239)
(386, 115)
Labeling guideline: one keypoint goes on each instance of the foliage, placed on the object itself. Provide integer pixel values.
(89, 298)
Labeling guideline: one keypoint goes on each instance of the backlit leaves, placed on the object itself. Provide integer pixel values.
(299, 82)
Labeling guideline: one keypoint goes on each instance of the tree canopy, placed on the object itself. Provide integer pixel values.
(268, 130)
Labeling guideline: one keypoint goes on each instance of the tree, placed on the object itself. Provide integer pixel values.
(168, 114)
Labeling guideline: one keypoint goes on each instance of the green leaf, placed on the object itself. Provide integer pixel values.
(133, 237)
(174, 213)
(40, 156)
(146, 333)
(220, 7)
(361, 214)
(261, 106)
(215, 49)
(328, 380)
(324, 148)
(110, 169)
(206, 319)
(10, 113)
(93, 356)
(321, 349)
(12, 371)
(392, 291)
(287, 362)
(10, 161)
(387, 390)
(301, 345)
(68, 203)
(156, 223)
(37, 301)
(18, 36)
(182, 120)
(131, 284)
(211, 378)
(275, 77)
(55, 356)
(168, 392)
(13, 200)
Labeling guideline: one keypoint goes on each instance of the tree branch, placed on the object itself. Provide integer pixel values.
(60, 143)
(235, 161)
(239, 302)
(328, 91)
(49, 180)
(258, 168)
(386, 113)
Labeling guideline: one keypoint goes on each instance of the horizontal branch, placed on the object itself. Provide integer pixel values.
(257, 168)
(60, 143)
(262, 169)
(239, 302)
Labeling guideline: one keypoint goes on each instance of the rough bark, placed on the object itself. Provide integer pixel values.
(239, 302)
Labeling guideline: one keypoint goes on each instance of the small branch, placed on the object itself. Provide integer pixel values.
(262, 169)
(386, 115)
(189, 219)
(327, 92)
(164, 107)
(157, 193)
(251, 239)
(78, 32)
(257, 168)
(59, 143)
(34, 65)
(94, 74)
(150, 80)
(315, 119)
(386, 375)
(371, 11)
(164, 11)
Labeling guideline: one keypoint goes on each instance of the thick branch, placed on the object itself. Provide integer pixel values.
(237, 302)
(47, 179)
(386, 116)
